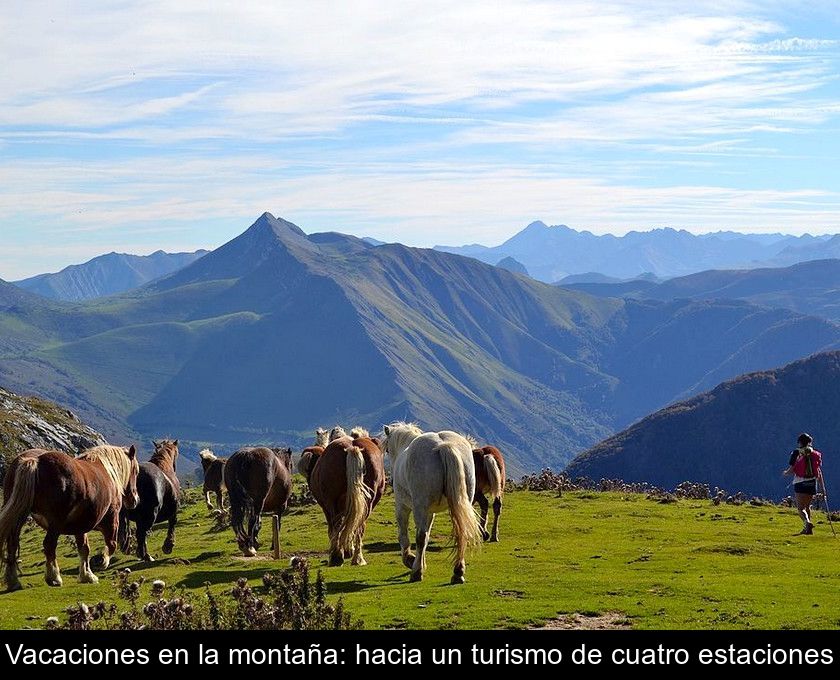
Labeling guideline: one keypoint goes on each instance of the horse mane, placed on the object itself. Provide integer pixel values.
(359, 432)
(115, 460)
(401, 435)
(337, 433)
(166, 451)
(472, 440)
(208, 455)
(322, 437)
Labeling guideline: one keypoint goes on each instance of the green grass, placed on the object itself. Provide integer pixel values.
(683, 565)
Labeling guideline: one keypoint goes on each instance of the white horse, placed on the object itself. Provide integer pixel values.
(431, 472)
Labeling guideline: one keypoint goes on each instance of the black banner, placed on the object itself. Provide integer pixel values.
(20, 650)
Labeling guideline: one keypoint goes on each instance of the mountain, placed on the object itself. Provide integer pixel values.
(737, 436)
(512, 265)
(30, 422)
(808, 287)
(277, 332)
(107, 275)
(551, 253)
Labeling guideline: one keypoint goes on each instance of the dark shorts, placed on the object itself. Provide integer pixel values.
(808, 487)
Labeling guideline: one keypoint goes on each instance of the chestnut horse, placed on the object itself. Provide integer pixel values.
(309, 456)
(214, 477)
(160, 496)
(66, 495)
(347, 480)
(258, 480)
(489, 479)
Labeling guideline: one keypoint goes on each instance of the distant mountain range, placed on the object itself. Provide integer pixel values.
(107, 275)
(737, 436)
(552, 253)
(809, 287)
(278, 332)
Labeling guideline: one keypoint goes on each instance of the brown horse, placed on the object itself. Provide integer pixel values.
(309, 456)
(66, 495)
(214, 477)
(160, 499)
(348, 481)
(489, 479)
(258, 480)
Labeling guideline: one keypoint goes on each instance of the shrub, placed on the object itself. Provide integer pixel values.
(287, 600)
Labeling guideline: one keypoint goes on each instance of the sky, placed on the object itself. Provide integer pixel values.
(134, 126)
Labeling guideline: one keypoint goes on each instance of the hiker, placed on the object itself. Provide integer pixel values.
(805, 466)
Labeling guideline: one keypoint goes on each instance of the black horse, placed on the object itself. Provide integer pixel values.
(159, 491)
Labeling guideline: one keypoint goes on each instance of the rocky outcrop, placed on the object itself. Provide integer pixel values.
(34, 423)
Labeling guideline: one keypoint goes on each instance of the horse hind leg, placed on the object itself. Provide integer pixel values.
(207, 499)
(403, 513)
(358, 558)
(12, 571)
(220, 500)
(86, 575)
(497, 510)
(169, 543)
(336, 553)
(142, 541)
(423, 519)
(52, 574)
(485, 508)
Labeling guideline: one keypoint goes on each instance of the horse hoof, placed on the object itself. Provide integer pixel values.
(249, 552)
(485, 536)
(54, 582)
(457, 580)
(361, 562)
(494, 539)
(415, 577)
(148, 558)
(12, 587)
(168, 548)
(89, 578)
(408, 560)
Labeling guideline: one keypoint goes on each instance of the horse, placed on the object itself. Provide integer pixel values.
(310, 455)
(214, 477)
(430, 472)
(258, 480)
(347, 480)
(66, 495)
(489, 479)
(160, 492)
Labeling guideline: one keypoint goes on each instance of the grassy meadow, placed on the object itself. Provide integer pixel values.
(688, 564)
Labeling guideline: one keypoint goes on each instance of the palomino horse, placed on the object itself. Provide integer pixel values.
(431, 472)
(489, 479)
(310, 455)
(347, 480)
(258, 480)
(66, 495)
(160, 492)
(214, 477)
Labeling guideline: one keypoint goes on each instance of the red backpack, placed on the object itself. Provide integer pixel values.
(807, 464)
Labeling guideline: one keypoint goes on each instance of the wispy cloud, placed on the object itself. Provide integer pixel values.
(412, 120)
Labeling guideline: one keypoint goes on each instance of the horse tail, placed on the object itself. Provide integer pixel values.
(357, 499)
(494, 475)
(242, 508)
(24, 480)
(465, 529)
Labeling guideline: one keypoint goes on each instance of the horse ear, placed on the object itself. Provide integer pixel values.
(132, 452)
(155, 444)
(176, 442)
(387, 431)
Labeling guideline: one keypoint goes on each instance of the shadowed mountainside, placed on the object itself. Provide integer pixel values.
(277, 332)
(737, 436)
